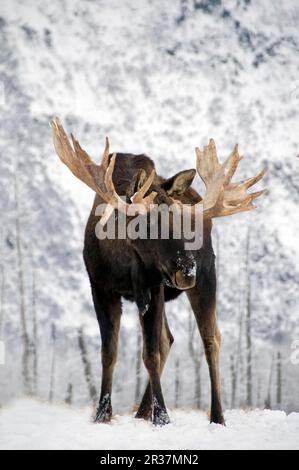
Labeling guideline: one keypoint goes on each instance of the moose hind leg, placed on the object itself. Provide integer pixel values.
(108, 314)
(151, 324)
(166, 341)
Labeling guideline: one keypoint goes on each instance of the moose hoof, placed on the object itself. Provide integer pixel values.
(160, 416)
(217, 420)
(104, 411)
(146, 415)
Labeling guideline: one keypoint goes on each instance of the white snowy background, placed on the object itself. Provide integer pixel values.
(159, 77)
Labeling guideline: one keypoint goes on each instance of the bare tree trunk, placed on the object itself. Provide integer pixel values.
(35, 334)
(69, 394)
(2, 300)
(2, 285)
(177, 383)
(217, 270)
(2, 347)
(87, 367)
(196, 356)
(53, 364)
(248, 328)
(24, 331)
(238, 359)
(268, 403)
(233, 379)
(197, 386)
(257, 378)
(278, 380)
(258, 392)
(138, 366)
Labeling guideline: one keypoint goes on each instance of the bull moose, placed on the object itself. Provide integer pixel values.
(149, 271)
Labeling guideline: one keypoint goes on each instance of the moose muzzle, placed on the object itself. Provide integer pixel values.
(180, 279)
(183, 281)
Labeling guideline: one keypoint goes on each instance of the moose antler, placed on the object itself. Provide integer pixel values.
(223, 197)
(99, 177)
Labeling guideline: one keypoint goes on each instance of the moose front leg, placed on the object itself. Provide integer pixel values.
(152, 323)
(203, 302)
(166, 341)
(108, 314)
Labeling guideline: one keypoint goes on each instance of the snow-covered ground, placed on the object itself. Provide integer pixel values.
(28, 424)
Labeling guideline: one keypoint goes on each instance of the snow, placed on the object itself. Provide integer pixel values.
(28, 424)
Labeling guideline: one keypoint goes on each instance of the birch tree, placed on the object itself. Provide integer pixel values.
(21, 278)
(53, 364)
(138, 365)
(177, 383)
(248, 326)
(69, 394)
(268, 401)
(2, 286)
(35, 335)
(278, 380)
(87, 366)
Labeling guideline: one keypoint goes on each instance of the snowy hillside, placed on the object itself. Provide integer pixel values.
(158, 77)
(32, 425)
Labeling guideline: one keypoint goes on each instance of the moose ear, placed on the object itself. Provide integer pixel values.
(137, 182)
(179, 183)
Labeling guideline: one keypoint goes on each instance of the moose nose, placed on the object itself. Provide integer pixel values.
(183, 281)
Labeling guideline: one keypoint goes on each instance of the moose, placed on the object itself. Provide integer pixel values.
(148, 271)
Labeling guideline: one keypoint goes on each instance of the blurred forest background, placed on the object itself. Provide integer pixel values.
(158, 77)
